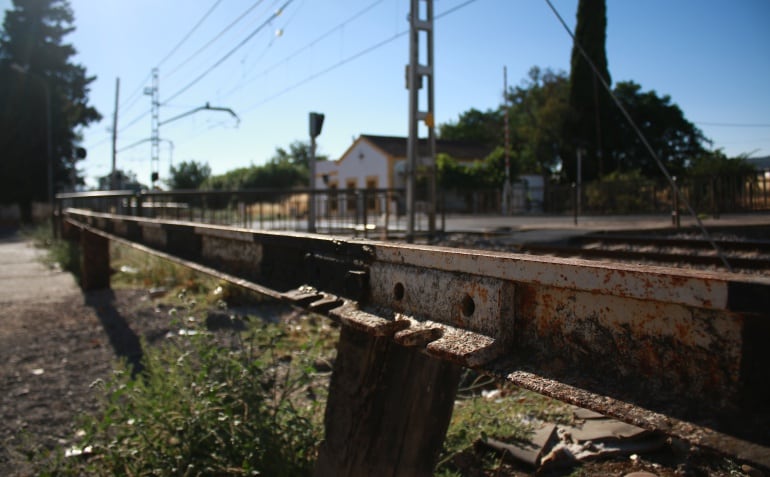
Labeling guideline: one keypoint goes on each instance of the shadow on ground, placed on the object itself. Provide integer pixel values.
(123, 339)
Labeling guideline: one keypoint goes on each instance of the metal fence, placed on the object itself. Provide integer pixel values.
(709, 195)
(381, 213)
(365, 212)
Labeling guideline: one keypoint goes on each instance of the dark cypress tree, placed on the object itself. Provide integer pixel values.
(590, 102)
(35, 63)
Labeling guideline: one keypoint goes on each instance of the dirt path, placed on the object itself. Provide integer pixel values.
(55, 342)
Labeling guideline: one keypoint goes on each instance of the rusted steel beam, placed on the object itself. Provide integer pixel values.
(675, 350)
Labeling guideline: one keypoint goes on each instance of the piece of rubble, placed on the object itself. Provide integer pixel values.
(527, 452)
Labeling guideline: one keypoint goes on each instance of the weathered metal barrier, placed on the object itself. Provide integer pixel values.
(677, 351)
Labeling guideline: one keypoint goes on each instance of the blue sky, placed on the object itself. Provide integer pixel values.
(711, 56)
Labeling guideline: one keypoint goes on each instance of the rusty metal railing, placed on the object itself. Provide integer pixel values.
(679, 351)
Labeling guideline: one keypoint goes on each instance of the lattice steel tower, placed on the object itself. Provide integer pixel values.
(420, 25)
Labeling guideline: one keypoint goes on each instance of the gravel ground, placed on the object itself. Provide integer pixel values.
(55, 341)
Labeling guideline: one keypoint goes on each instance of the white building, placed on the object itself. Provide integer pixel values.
(377, 163)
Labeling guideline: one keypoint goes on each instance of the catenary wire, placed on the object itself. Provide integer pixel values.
(350, 58)
(642, 138)
(216, 37)
(307, 46)
(189, 33)
(229, 53)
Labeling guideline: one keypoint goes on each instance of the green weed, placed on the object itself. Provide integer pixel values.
(226, 403)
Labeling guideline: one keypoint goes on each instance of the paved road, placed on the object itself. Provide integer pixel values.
(23, 276)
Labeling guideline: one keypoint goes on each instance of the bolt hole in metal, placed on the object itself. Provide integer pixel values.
(398, 291)
(468, 306)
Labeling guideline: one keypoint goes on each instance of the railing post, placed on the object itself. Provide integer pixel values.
(388, 409)
(94, 261)
(675, 221)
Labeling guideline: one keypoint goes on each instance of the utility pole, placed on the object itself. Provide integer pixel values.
(507, 190)
(415, 73)
(113, 178)
(155, 123)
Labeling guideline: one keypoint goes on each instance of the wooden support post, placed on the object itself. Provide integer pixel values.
(94, 261)
(388, 409)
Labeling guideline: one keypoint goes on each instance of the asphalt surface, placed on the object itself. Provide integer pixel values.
(539, 228)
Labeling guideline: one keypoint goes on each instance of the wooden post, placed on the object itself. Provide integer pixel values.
(94, 261)
(388, 409)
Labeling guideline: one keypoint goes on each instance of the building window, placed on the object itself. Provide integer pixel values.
(333, 197)
(371, 195)
(351, 194)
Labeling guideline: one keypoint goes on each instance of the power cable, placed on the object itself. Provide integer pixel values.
(278, 34)
(133, 96)
(217, 37)
(328, 69)
(229, 53)
(307, 46)
(135, 120)
(192, 30)
(341, 62)
(643, 139)
(352, 57)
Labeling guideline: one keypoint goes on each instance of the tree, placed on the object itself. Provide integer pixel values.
(124, 180)
(538, 111)
(675, 140)
(297, 155)
(590, 125)
(188, 175)
(287, 168)
(717, 164)
(38, 79)
(483, 127)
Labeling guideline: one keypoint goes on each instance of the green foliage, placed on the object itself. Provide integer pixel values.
(716, 163)
(483, 127)
(501, 411)
(589, 126)
(60, 253)
(271, 175)
(188, 175)
(479, 175)
(298, 155)
(31, 40)
(539, 109)
(284, 170)
(205, 404)
(124, 180)
(675, 139)
(618, 192)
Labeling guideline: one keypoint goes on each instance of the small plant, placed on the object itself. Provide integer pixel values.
(226, 403)
(60, 253)
(485, 409)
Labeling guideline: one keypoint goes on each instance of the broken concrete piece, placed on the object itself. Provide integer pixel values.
(526, 452)
(602, 430)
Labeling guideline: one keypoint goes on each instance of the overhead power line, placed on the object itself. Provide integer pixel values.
(217, 37)
(230, 53)
(131, 98)
(641, 137)
(308, 45)
(135, 120)
(189, 33)
(350, 58)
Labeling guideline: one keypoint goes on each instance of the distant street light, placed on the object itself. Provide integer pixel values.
(49, 130)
